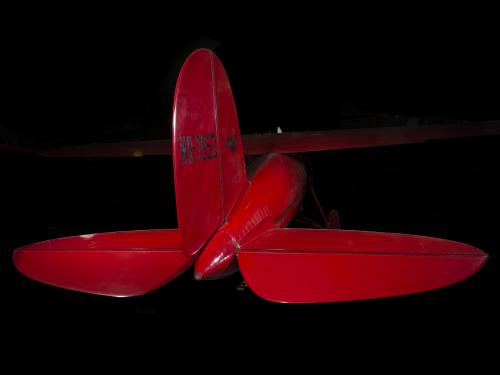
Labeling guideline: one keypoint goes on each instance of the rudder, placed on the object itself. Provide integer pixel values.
(209, 166)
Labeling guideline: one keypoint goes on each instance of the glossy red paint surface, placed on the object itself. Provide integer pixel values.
(232, 159)
(209, 167)
(197, 173)
(119, 264)
(302, 266)
(237, 219)
(274, 192)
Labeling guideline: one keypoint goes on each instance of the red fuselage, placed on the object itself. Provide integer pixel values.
(275, 188)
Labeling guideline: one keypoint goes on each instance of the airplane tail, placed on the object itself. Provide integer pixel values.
(118, 264)
(209, 164)
(209, 173)
(283, 265)
(329, 265)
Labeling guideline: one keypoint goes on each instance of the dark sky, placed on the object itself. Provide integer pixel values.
(71, 80)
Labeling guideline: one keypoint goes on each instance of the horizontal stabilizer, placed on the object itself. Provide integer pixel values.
(119, 264)
(311, 265)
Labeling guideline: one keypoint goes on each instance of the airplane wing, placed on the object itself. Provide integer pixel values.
(8, 150)
(119, 264)
(314, 265)
(131, 149)
(286, 143)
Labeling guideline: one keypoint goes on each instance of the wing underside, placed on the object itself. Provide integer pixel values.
(286, 143)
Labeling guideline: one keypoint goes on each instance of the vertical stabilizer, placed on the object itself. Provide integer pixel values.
(209, 167)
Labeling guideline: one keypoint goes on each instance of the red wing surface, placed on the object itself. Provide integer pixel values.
(119, 264)
(302, 265)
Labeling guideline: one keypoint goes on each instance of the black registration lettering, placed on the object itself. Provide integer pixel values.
(204, 148)
(186, 150)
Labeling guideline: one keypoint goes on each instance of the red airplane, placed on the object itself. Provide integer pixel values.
(232, 217)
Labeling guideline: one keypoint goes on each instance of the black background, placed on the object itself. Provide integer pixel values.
(74, 81)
